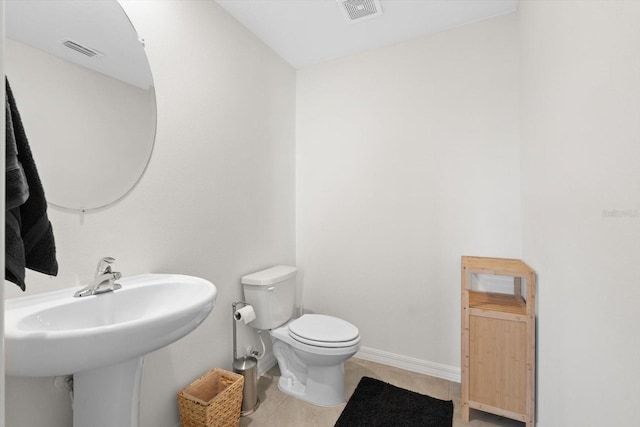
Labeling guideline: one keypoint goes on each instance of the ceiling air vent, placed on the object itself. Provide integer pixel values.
(87, 51)
(360, 10)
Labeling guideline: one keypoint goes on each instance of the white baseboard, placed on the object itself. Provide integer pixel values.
(266, 363)
(412, 364)
(386, 358)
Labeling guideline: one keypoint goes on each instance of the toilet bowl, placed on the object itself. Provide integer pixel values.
(310, 350)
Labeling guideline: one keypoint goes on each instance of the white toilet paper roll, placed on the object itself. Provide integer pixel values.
(245, 314)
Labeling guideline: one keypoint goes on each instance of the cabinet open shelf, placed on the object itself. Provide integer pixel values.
(503, 303)
(498, 340)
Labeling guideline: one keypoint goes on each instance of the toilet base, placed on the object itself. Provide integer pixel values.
(324, 386)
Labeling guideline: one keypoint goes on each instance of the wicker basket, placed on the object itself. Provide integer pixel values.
(213, 400)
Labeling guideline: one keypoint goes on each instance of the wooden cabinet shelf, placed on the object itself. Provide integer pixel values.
(498, 341)
(503, 303)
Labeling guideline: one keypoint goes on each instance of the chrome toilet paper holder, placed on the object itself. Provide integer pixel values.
(234, 309)
(247, 366)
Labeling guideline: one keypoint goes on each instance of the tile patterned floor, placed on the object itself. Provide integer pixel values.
(279, 410)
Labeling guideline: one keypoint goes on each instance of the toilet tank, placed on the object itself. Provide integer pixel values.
(272, 294)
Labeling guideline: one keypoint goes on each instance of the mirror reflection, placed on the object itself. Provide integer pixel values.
(85, 92)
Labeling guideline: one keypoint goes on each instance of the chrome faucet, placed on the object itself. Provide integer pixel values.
(104, 280)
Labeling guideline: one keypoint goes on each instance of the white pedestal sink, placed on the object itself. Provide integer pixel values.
(102, 339)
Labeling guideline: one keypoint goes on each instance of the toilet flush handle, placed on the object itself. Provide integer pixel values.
(271, 289)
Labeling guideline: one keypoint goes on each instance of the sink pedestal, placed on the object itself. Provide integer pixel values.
(108, 396)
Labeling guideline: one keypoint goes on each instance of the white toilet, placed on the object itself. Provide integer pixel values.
(311, 350)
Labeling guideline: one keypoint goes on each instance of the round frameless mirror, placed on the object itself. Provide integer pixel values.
(83, 86)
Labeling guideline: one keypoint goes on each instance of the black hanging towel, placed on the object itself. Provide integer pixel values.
(29, 241)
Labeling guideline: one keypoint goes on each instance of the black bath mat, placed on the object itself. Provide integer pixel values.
(378, 404)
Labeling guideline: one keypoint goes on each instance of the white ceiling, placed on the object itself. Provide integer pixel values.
(307, 32)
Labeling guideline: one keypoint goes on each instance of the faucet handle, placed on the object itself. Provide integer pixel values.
(104, 265)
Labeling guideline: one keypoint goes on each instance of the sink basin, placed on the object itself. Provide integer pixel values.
(54, 333)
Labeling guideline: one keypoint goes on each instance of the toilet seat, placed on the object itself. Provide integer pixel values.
(324, 331)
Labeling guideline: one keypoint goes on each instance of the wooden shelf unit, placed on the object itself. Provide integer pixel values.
(498, 341)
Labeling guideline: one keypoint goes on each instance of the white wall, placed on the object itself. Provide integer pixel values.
(407, 158)
(217, 200)
(581, 205)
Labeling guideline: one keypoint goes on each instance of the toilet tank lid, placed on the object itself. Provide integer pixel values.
(269, 276)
